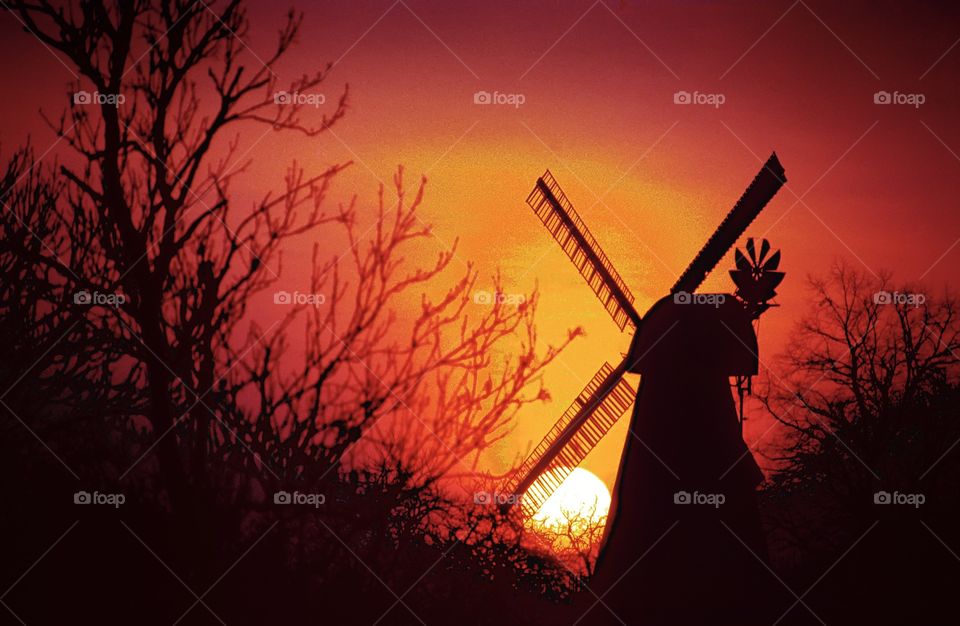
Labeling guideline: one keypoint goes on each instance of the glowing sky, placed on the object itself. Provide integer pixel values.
(651, 178)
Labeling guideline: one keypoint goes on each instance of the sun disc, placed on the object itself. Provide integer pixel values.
(582, 498)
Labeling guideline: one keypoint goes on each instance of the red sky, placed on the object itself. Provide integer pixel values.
(651, 178)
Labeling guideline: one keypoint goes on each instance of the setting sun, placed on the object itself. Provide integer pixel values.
(582, 500)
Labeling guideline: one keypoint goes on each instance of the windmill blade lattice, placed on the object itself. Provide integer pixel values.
(557, 213)
(765, 185)
(588, 419)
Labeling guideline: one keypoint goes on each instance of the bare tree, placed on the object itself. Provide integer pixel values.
(429, 401)
(148, 157)
(53, 350)
(146, 198)
(862, 393)
(133, 271)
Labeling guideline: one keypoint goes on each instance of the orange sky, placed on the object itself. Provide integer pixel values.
(651, 178)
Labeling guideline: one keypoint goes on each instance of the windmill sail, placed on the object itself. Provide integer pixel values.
(764, 186)
(591, 416)
(557, 213)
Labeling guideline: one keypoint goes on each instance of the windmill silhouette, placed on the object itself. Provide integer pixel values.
(685, 444)
(608, 395)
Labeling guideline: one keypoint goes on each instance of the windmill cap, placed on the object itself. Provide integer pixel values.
(705, 332)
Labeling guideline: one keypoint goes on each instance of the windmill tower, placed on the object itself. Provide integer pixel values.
(608, 395)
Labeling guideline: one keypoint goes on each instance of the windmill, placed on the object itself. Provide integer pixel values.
(608, 395)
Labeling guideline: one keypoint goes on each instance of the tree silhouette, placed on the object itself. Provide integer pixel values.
(53, 350)
(132, 275)
(866, 395)
(573, 540)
